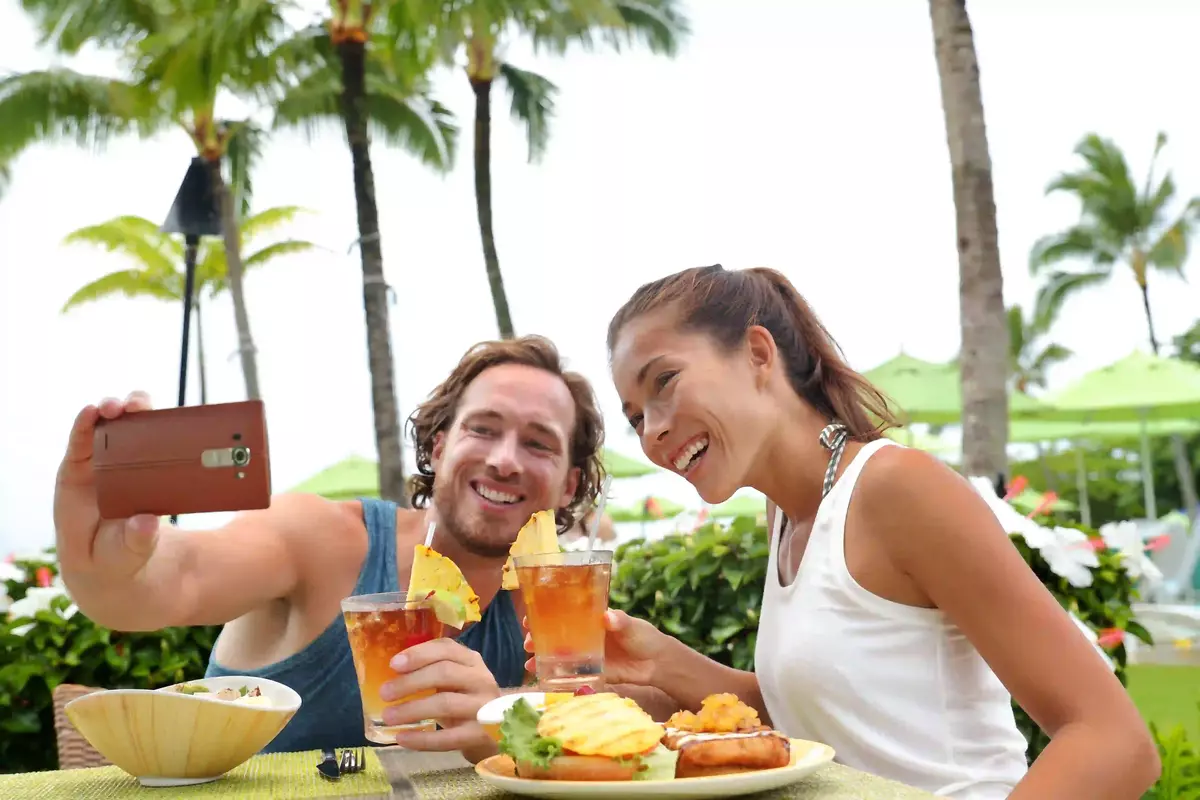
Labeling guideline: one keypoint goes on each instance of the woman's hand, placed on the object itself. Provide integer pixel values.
(632, 649)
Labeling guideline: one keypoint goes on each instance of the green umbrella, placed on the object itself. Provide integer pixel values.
(742, 505)
(1032, 431)
(1139, 388)
(649, 509)
(932, 393)
(621, 466)
(921, 441)
(346, 480)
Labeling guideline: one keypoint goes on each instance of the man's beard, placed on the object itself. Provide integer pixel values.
(473, 539)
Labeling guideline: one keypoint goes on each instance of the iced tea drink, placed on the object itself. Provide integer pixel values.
(379, 626)
(566, 595)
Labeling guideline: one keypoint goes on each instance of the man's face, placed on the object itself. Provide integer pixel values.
(505, 456)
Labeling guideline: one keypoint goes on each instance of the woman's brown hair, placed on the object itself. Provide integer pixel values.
(437, 413)
(724, 304)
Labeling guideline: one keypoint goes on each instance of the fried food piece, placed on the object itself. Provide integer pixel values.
(725, 753)
(719, 713)
(725, 736)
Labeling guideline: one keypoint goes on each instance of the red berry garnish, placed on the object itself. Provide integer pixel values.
(584, 690)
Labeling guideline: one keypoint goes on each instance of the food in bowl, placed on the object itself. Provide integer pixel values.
(246, 695)
(176, 736)
(725, 736)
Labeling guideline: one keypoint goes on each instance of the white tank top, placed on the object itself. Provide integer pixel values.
(896, 690)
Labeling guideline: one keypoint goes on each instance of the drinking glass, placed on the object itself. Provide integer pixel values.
(379, 626)
(566, 595)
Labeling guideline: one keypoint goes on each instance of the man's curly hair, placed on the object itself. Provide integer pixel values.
(437, 413)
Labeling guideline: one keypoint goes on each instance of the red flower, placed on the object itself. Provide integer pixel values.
(1016, 487)
(44, 577)
(1110, 638)
(1159, 542)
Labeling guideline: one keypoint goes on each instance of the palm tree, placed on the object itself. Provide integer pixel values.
(480, 28)
(179, 56)
(1028, 357)
(158, 270)
(1118, 224)
(365, 71)
(1187, 344)
(984, 355)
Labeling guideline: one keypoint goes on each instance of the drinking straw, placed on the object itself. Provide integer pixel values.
(599, 512)
(429, 535)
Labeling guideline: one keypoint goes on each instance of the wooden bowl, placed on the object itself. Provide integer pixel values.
(165, 738)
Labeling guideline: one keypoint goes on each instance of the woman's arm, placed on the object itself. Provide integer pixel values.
(689, 677)
(938, 531)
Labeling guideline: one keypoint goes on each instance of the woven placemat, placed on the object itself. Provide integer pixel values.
(831, 782)
(275, 776)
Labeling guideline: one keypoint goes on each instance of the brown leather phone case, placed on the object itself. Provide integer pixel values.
(190, 460)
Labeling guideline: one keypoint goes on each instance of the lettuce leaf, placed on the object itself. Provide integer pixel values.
(657, 765)
(519, 738)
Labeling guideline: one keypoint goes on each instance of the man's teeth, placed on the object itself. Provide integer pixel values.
(685, 458)
(495, 496)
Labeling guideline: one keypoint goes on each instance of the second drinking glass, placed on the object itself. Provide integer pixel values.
(566, 595)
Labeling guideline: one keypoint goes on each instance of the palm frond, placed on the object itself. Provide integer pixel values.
(271, 252)
(68, 25)
(267, 220)
(128, 283)
(1170, 251)
(136, 238)
(1060, 286)
(532, 98)
(1078, 242)
(222, 45)
(660, 25)
(413, 122)
(243, 149)
(5, 178)
(61, 104)
(1016, 333)
(1050, 355)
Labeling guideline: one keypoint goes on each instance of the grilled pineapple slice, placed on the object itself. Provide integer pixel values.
(601, 724)
(539, 535)
(438, 579)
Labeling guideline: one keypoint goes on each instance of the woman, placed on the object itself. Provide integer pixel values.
(897, 616)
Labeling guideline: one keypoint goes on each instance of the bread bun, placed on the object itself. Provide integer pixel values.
(580, 768)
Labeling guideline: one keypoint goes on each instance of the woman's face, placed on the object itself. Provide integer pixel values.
(698, 410)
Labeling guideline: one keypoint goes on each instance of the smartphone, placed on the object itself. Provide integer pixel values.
(189, 460)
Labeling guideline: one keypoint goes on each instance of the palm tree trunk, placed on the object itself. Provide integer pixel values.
(985, 337)
(1149, 316)
(200, 351)
(233, 260)
(1179, 453)
(483, 202)
(375, 290)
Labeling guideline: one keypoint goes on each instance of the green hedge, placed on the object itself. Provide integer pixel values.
(37, 654)
(705, 588)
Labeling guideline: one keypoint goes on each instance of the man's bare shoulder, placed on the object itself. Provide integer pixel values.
(309, 525)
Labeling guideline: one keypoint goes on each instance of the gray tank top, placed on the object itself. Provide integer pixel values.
(323, 673)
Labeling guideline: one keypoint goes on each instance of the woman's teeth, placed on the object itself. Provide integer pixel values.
(494, 496)
(691, 453)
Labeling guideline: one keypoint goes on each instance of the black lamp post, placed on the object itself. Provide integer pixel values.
(194, 214)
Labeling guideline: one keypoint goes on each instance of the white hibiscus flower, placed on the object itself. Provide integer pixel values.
(39, 598)
(1129, 540)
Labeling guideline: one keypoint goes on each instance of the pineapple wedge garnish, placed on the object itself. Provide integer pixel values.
(539, 535)
(439, 580)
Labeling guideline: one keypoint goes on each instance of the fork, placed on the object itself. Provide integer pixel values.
(353, 761)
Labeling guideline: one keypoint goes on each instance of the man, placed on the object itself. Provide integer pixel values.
(508, 433)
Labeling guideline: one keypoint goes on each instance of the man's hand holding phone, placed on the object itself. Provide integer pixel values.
(86, 543)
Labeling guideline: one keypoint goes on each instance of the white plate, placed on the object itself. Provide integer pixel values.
(807, 758)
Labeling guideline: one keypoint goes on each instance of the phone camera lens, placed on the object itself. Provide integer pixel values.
(241, 456)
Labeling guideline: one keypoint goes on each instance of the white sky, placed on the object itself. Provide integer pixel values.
(797, 134)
